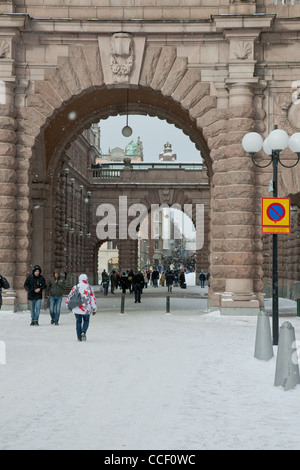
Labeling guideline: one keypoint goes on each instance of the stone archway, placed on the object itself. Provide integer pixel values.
(122, 203)
(161, 84)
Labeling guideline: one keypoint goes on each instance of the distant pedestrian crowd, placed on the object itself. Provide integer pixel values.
(135, 282)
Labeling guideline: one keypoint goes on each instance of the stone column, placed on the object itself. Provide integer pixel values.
(236, 234)
(12, 232)
(235, 266)
(8, 192)
(128, 255)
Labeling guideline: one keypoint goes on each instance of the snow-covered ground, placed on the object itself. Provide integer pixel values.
(144, 380)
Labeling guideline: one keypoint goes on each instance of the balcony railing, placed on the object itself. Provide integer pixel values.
(107, 174)
(115, 171)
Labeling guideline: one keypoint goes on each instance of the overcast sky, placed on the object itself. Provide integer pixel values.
(153, 132)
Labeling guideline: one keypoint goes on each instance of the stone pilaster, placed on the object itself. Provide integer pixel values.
(8, 193)
(236, 238)
(13, 206)
(234, 260)
(128, 255)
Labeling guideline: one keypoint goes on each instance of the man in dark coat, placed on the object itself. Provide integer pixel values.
(124, 283)
(182, 280)
(138, 285)
(202, 279)
(35, 284)
(170, 280)
(155, 278)
(4, 284)
(55, 292)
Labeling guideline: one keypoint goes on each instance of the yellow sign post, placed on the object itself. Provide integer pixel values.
(276, 215)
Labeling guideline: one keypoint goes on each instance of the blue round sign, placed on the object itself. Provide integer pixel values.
(276, 212)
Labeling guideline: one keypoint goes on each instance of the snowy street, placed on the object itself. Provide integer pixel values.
(144, 380)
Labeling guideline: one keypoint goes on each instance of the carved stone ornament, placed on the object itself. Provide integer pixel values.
(4, 49)
(242, 50)
(121, 57)
(286, 113)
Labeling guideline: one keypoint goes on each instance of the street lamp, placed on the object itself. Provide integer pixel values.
(273, 145)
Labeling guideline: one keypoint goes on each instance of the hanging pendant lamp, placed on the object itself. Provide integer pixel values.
(127, 131)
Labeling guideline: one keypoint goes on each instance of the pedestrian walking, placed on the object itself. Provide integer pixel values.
(88, 306)
(162, 279)
(4, 284)
(55, 291)
(202, 279)
(130, 281)
(118, 281)
(146, 280)
(182, 282)
(113, 282)
(170, 280)
(155, 277)
(105, 282)
(176, 278)
(124, 283)
(34, 285)
(138, 285)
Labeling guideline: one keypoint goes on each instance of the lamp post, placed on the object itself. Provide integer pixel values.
(273, 145)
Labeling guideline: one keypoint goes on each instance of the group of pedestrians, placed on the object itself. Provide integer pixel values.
(35, 284)
(133, 282)
(128, 280)
(204, 277)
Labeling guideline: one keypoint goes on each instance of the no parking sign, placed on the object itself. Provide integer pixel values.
(276, 215)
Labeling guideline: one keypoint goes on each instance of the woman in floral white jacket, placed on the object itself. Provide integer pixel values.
(88, 306)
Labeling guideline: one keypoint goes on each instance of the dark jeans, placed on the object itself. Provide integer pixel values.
(55, 305)
(35, 308)
(82, 324)
(105, 288)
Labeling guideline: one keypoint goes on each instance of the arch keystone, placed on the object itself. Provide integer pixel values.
(121, 58)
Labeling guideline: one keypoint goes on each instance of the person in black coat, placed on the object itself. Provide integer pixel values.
(155, 278)
(202, 279)
(138, 285)
(170, 280)
(182, 280)
(4, 284)
(124, 283)
(35, 284)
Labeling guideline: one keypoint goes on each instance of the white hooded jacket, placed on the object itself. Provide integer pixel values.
(87, 294)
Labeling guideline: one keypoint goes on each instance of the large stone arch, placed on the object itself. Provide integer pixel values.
(168, 88)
